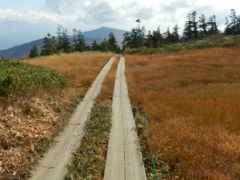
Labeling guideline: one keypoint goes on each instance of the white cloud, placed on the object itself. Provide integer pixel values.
(89, 14)
(35, 17)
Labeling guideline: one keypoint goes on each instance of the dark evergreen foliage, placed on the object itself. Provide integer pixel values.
(212, 25)
(232, 24)
(63, 42)
(202, 24)
(135, 39)
(49, 46)
(79, 41)
(33, 52)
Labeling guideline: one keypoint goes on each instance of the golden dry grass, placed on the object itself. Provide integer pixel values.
(106, 94)
(193, 99)
(81, 69)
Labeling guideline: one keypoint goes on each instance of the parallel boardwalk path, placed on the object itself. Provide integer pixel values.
(54, 164)
(124, 158)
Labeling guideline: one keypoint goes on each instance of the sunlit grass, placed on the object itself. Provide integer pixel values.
(193, 101)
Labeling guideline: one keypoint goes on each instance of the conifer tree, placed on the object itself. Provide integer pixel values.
(33, 52)
(104, 45)
(187, 33)
(168, 36)
(175, 34)
(63, 42)
(212, 25)
(112, 42)
(149, 40)
(49, 46)
(233, 24)
(191, 27)
(157, 38)
(194, 25)
(95, 46)
(202, 24)
(79, 41)
(135, 39)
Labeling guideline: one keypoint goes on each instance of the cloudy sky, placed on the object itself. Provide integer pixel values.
(25, 20)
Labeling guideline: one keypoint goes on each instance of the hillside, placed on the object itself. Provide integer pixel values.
(99, 34)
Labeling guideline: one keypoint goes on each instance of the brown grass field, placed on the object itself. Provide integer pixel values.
(81, 69)
(193, 101)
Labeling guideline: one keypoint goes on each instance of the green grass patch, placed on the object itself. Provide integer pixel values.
(215, 41)
(90, 158)
(18, 79)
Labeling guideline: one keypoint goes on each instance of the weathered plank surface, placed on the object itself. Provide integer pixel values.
(124, 158)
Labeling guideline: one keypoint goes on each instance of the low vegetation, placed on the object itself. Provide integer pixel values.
(18, 79)
(192, 99)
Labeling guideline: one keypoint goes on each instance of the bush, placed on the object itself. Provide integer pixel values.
(18, 79)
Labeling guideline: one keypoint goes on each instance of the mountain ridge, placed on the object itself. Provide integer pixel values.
(22, 51)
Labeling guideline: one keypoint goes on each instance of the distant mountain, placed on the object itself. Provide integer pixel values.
(22, 51)
(101, 33)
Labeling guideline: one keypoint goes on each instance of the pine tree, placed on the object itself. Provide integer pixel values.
(157, 38)
(112, 42)
(175, 35)
(127, 40)
(149, 40)
(191, 27)
(168, 36)
(79, 41)
(233, 24)
(212, 25)
(33, 52)
(194, 25)
(104, 45)
(63, 42)
(95, 46)
(49, 46)
(135, 39)
(202, 24)
(187, 33)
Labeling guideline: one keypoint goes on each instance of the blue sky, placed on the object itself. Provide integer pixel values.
(22, 4)
(26, 20)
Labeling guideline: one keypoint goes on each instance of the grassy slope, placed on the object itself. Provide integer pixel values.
(215, 41)
(193, 100)
(18, 79)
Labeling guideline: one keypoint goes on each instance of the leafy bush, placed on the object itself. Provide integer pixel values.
(18, 79)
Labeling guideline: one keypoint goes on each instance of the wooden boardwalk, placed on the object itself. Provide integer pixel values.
(124, 158)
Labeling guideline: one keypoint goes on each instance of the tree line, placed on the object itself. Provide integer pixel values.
(63, 42)
(195, 28)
